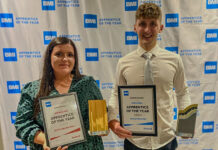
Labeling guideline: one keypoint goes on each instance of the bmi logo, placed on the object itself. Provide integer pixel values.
(13, 117)
(98, 83)
(210, 67)
(10, 54)
(126, 93)
(131, 5)
(48, 36)
(6, 20)
(18, 145)
(48, 5)
(172, 49)
(212, 4)
(207, 126)
(13, 87)
(172, 20)
(209, 98)
(211, 35)
(131, 38)
(48, 104)
(90, 21)
(175, 113)
(91, 54)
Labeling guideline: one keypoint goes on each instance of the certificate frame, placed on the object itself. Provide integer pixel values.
(137, 109)
(62, 120)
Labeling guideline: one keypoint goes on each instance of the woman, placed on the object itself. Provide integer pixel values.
(60, 75)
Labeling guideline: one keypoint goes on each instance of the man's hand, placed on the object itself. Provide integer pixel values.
(118, 130)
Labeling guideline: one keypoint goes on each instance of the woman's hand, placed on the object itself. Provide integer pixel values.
(40, 139)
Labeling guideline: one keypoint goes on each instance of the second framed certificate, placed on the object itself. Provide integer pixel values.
(63, 122)
(138, 110)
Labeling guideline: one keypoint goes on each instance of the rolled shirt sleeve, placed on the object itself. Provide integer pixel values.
(181, 88)
(113, 106)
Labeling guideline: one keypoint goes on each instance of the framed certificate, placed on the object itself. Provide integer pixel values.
(138, 110)
(63, 124)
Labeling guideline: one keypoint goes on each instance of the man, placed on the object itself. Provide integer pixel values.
(167, 73)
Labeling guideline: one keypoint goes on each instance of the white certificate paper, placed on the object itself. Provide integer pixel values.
(62, 120)
(138, 112)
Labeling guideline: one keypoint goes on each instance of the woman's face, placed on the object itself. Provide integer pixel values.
(62, 60)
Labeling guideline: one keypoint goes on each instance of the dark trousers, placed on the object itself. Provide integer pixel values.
(170, 146)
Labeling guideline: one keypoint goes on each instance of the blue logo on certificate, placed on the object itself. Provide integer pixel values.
(48, 104)
(126, 93)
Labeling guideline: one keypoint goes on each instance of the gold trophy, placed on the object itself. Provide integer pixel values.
(98, 119)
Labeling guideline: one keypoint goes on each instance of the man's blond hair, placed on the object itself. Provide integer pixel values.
(148, 11)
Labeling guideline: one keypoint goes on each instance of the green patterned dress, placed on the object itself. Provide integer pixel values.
(26, 127)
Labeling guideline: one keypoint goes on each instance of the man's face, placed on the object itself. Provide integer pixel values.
(147, 30)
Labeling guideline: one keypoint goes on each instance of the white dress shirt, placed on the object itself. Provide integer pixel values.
(168, 73)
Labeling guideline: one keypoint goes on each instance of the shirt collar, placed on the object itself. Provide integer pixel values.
(154, 51)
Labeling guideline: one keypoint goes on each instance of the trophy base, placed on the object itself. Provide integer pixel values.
(98, 133)
(188, 135)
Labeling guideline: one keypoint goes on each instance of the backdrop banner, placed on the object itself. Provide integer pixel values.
(103, 32)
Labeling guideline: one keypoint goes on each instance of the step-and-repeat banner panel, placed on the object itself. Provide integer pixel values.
(103, 33)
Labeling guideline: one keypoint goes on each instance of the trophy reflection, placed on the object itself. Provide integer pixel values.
(98, 119)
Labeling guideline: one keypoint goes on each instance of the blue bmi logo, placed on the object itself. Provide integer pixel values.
(13, 117)
(91, 54)
(48, 36)
(207, 126)
(131, 38)
(10, 54)
(126, 93)
(98, 83)
(13, 87)
(47, 104)
(175, 113)
(211, 35)
(48, 5)
(209, 98)
(131, 5)
(90, 21)
(172, 20)
(172, 49)
(18, 145)
(6, 20)
(212, 4)
(210, 67)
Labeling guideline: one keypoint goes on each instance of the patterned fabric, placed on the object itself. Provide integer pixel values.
(27, 127)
